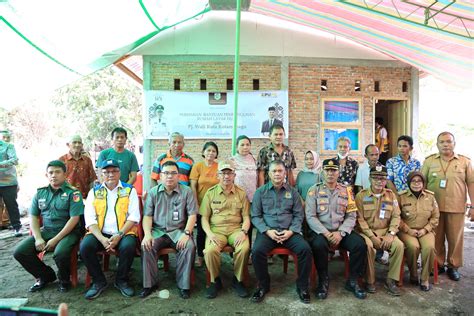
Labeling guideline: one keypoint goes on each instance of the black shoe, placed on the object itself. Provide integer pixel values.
(258, 295)
(323, 287)
(304, 295)
(124, 288)
(146, 291)
(453, 274)
(353, 286)
(414, 281)
(425, 288)
(441, 270)
(184, 294)
(17, 233)
(239, 288)
(63, 287)
(95, 290)
(212, 290)
(391, 287)
(41, 284)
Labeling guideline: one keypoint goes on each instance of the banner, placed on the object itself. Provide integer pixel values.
(210, 114)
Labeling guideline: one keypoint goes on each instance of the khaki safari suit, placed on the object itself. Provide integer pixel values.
(451, 198)
(379, 217)
(226, 214)
(418, 213)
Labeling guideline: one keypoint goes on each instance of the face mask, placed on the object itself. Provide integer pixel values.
(342, 157)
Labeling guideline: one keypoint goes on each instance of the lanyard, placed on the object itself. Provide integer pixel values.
(444, 169)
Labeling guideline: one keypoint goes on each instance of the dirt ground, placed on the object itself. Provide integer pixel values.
(447, 298)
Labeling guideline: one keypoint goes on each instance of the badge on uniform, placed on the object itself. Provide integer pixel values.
(123, 193)
(288, 195)
(64, 196)
(76, 197)
(442, 183)
(322, 208)
(382, 214)
(175, 215)
(41, 204)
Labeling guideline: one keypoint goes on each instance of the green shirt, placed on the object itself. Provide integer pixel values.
(126, 159)
(56, 207)
(8, 160)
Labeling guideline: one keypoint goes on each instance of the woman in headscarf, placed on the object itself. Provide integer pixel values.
(310, 173)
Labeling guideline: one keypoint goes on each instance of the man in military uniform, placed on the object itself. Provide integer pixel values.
(278, 214)
(59, 205)
(378, 219)
(451, 178)
(331, 215)
(226, 221)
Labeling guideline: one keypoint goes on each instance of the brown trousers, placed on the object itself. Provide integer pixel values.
(413, 247)
(450, 229)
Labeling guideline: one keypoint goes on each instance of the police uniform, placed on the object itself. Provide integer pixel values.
(330, 211)
(418, 213)
(379, 216)
(449, 181)
(55, 207)
(225, 213)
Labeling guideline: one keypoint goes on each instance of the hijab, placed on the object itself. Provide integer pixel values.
(316, 168)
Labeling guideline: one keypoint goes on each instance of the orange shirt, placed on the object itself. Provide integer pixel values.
(79, 173)
(205, 176)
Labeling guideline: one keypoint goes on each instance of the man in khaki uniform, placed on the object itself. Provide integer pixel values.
(451, 178)
(377, 221)
(226, 221)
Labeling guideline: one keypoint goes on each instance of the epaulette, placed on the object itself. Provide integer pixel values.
(402, 192)
(430, 156)
(388, 190)
(464, 156)
(213, 187)
(70, 186)
(45, 187)
(428, 191)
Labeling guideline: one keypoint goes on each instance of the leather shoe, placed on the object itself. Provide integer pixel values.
(239, 288)
(146, 291)
(353, 286)
(258, 295)
(95, 290)
(441, 270)
(370, 288)
(184, 294)
(322, 289)
(425, 288)
(124, 288)
(391, 287)
(63, 287)
(453, 274)
(304, 295)
(40, 284)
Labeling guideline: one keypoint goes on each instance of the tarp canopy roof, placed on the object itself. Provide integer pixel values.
(47, 44)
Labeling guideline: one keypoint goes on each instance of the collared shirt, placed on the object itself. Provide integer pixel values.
(110, 223)
(347, 173)
(268, 154)
(279, 209)
(80, 172)
(56, 207)
(363, 175)
(457, 173)
(377, 214)
(330, 210)
(184, 162)
(418, 213)
(170, 212)
(127, 161)
(225, 211)
(8, 160)
(398, 170)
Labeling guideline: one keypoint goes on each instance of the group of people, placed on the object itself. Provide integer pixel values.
(333, 204)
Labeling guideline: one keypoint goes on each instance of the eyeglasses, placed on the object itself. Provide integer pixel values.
(110, 173)
(378, 179)
(416, 181)
(169, 173)
(228, 173)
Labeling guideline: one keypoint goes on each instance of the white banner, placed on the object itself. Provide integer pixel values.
(210, 114)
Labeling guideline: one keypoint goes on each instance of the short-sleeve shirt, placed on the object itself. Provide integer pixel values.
(457, 173)
(205, 176)
(8, 159)
(170, 212)
(225, 211)
(347, 173)
(268, 154)
(363, 175)
(80, 173)
(185, 164)
(398, 170)
(56, 207)
(127, 161)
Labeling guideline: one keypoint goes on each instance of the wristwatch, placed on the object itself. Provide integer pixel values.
(244, 231)
(392, 233)
(343, 233)
(187, 232)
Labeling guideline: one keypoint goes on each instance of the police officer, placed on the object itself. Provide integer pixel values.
(59, 205)
(419, 218)
(226, 220)
(378, 219)
(331, 215)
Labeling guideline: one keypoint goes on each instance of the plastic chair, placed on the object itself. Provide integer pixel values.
(286, 253)
(402, 272)
(230, 249)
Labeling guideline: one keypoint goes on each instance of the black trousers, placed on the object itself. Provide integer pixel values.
(296, 243)
(90, 245)
(353, 243)
(200, 238)
(9, 194)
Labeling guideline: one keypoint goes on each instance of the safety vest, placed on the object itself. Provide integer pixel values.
(121, 206)
(385, 141)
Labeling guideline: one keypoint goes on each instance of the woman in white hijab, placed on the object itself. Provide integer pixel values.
(310, 173)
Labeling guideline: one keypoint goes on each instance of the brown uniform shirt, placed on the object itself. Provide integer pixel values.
(376, 216)
(225, 212)
(457, 173)
(418, 213)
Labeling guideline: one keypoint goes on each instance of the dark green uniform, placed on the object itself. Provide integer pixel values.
(55, 207)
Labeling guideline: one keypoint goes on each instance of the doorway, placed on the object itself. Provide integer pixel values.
(395, 115)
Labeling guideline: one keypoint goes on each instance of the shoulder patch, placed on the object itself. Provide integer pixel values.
(428, 191)
(402, 192)
(76, 196)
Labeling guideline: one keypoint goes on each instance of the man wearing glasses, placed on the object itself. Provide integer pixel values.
(168, 221)
(226, 221)
(111, 214)
(377, 222)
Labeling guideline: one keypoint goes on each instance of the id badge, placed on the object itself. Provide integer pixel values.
(442, 183)
(175, 215)
(382, 214)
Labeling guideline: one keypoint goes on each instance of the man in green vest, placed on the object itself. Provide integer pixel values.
(111, 214)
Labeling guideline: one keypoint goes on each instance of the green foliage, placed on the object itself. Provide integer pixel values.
(427, 139)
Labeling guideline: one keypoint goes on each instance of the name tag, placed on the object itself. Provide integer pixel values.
(442, 183)
(42, 204)
(382, 214)
(287, 195)
(176, 216)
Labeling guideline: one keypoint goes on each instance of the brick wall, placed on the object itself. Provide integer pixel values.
(304, 95)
